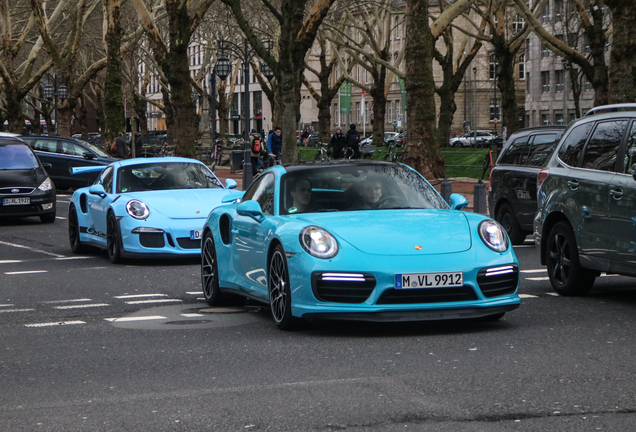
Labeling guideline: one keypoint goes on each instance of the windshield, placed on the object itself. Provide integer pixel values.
(16, 157)
(165, 176)
(356, 187)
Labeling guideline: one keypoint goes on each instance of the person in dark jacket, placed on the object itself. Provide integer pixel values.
(257, 149)
(120, 153)
(353, 141)
(275, 145)
(338, 143)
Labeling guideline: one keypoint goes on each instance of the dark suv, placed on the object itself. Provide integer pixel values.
(512, 199)
(586, 218)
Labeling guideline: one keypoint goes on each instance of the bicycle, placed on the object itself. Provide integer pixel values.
(216, 154)
(324, 153)
(394, 155)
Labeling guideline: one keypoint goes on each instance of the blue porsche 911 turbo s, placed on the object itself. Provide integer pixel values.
(369, 241)
(145, 208)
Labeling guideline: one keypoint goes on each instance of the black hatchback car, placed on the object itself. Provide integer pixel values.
(512, 198)
(25, 186)
(64, 153)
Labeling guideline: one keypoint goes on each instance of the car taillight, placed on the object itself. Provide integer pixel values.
(543, 174)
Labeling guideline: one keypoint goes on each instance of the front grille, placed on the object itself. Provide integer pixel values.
(33, 208)
(187, 243)
(427, 295)
(152, 240)
(498, 281)
(342, 287)
(21, 191)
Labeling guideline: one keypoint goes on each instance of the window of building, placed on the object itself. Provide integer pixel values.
(545, 15)
(587, 86)
(389, 112)
(545, 51)
(517, 24)
(258, 103)
(357, 113)
(558, 119)
(494, 109)
(545, 119)
(397, 110)
(493, 67)
(558, 10)
(398, 33)
(528, 83)
(559, 77)
(545, 82)
(522, 66)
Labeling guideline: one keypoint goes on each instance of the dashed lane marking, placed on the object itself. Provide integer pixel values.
(26, 272)
(82, 306)
(553, 294)
(538, 278)
(60, 217)
(15, 310)
(10, 261)
(194, 292)
(129, 296)
(6, 305)
(139, 318)
(53, 324)
(68, 301)
(65, 258)
(534, 271)
(527, 296)
(32, 249)
(191, 315)
(153, 301)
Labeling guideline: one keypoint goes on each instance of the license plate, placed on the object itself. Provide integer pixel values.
(16, 201)
(429, 280)
(195, 234)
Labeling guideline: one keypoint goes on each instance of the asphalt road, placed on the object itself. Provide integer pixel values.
(91, 346)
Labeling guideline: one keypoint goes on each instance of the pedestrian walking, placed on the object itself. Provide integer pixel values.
(257, 149)
(119, 146)
(275, 146)
(353, 141)
(338, 143)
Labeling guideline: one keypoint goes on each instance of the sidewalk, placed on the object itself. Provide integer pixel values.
(461, 185)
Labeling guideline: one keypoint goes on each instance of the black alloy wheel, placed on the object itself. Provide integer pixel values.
(113, 239)
(567, 276)
(508, 220)
(279, 290)
(74, 232)
(210, 272)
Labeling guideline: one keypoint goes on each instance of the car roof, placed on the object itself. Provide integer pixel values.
(611, 109)
(5, 139)
(327, 164)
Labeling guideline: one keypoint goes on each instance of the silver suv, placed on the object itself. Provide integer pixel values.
(586, 218)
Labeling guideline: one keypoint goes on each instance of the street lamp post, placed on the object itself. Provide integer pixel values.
(494, 90)
(475, 107)
(212, 103)
(223, 69)
(56, 91)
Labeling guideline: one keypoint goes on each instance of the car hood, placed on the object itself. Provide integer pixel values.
(21, 178)
(399, 232)
(182, 203)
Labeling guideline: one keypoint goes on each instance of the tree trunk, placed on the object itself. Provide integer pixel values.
(447, 108)
(379, 104)
(65, 117)
(622, 69)
(115, 121)
(324, 120)
(506, 85)
(81, 115)
(422, 151)
(290, 102)
(14, 110)
(140, 106)
(597, 40)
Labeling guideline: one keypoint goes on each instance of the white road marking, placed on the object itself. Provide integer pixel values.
(553, 294)
(194, 292)
(16, 310)
(539, 278)
(10, 261)
(26, 272)
(60, 217)
(31, 249)
(524, 246)
(87, 268)
(140, 296)
(67, 301)
(65, 258)
(6, 305)
(153, 301)
(140, 318)
(53, 324)
(534, 271)
(191, 315)
(528, 296)
(91, 305)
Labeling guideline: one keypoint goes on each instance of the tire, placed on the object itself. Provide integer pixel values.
(210, 272)
(567, 276)
(279, 291)
(113, 239)
(508, 220)
(74, 232)
(48, 218)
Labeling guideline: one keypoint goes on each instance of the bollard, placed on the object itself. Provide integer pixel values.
(446, 189)
(479, 198)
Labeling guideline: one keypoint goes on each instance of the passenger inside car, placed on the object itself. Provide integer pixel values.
(300, 197)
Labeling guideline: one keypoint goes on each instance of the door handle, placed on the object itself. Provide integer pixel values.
(234, 231)
(616, 193)
(574, 184)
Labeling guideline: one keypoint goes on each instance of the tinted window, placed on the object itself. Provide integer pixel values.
(72, 149)
(165, 176)
(45, 145)
(600, 153)
(540, 148)
(572, 147)
(512, 153)
(262, 191)
(17, 156)
(106, 179)
(630, 151)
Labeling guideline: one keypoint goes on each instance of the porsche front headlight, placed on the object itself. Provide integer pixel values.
(137, 209)
(493, 235)
(46, 185)
(318, 242)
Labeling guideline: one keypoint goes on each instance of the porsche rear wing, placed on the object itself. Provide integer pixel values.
(80, 170)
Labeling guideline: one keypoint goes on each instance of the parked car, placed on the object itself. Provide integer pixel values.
(312, 140)
(145, 208)
(478, 138)
(294, 241)
(398, 140)
(585, 223)
(388, 136)
(512, 197)
(25, 187)
(65, 153)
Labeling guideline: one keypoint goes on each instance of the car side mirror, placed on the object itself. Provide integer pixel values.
(230, 183)
(89, 156)
(97, 189)
(47, 166)
(457, 201)
(251, 209)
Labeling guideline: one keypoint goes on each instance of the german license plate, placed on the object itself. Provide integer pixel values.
(429, 280)
(195, 234)
(16, 201)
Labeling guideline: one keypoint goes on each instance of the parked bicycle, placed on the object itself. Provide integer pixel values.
(325, 153)
(394, 155)
(216, 154)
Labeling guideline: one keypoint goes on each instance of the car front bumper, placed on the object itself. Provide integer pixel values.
(143, 238)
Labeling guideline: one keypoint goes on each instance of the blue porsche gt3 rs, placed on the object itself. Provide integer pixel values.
(145, 208)
(367, 241)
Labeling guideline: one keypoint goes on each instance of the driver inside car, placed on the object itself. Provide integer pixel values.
(371, 194)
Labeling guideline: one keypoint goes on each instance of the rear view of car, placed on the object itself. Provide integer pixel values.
(513, 180)
(25, 187)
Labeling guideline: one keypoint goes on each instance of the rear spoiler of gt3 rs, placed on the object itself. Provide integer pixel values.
(80, 170)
